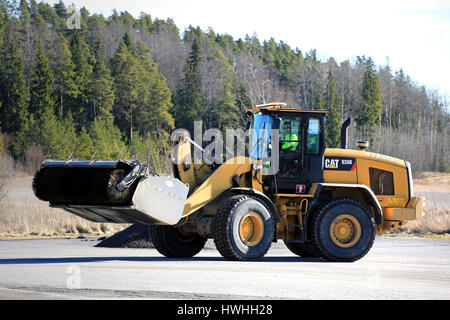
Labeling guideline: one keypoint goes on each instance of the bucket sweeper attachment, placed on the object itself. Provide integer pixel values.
(111, 191)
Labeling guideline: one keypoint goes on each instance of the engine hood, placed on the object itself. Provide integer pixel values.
(331, 152)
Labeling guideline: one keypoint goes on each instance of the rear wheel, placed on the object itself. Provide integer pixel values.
(173, 243)
(343, 230)
(243, 229)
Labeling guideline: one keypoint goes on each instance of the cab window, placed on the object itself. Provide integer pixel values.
(290, 135)
(313, 136)
(290, 147)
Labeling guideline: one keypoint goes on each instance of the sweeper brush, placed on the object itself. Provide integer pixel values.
(81, 183)
(105, 191)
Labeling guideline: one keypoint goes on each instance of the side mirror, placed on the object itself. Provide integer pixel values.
(276, 123)
(247, 125)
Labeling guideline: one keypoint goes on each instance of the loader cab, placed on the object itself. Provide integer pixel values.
(298, 138)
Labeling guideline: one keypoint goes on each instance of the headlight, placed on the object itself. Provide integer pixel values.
(410, 180)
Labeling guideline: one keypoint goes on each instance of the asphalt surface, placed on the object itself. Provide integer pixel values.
(395, 268)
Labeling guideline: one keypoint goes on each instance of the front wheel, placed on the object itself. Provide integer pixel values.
(243, 229)
(343, 230)
(173, 243)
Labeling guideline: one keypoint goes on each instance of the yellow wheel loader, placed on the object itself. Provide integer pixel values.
(321, 202)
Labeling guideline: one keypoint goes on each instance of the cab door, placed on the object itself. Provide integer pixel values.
(301, 149)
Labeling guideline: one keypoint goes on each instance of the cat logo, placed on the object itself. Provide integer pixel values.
(332, 163)
(339, 163)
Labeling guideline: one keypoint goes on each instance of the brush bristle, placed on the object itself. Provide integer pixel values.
(77, 186)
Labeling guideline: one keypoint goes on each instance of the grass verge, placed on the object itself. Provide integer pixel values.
(38, 220)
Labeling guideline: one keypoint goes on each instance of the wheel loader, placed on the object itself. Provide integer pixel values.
(321, 202)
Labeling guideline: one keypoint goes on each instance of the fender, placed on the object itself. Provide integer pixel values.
(367, 193)
(260, 195)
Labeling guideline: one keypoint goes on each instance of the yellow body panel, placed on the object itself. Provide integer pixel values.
(217, 183)
(413, 211)
(184, 166)
(364, 161)
(364, 155)
(340, 177)
(397, 208)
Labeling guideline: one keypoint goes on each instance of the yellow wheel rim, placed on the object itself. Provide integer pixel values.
(251, 229)
(345, 231)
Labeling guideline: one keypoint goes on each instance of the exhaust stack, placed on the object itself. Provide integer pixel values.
(344, 132)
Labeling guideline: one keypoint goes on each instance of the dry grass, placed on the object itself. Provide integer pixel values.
(23, 215)
(432, 182)
(39, 220)
(434, 221)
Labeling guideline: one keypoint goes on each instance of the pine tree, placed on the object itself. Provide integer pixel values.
(65, 87)
(101, 90)
(31, 133)
(26, 31)
(242, 99)
(13, 93)
(225, 113)
(126, 73)
(332, 102)
(142, 99)
(41, 20)
(83, 61)
(41, 93)
(107, 139)
(4, 20)
(188, 102)
(153, 111)
(283, 59)
(370, 112)
(84, 146)
(60, 9)
(128, 42)
(152, 149)
(59, 138)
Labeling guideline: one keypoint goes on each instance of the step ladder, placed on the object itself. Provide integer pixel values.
(298, 211)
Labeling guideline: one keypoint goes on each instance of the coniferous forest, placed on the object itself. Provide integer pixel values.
(123, 84)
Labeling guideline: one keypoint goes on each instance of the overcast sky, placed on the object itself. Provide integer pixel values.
(415, 35)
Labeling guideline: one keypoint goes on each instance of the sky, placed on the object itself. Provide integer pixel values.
(413, 35)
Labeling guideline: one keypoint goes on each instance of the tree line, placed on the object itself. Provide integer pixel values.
(122, 84)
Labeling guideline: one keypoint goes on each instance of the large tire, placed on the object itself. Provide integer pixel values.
(304, 250)
(172, 243)
(243, 229)
(343, 230)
